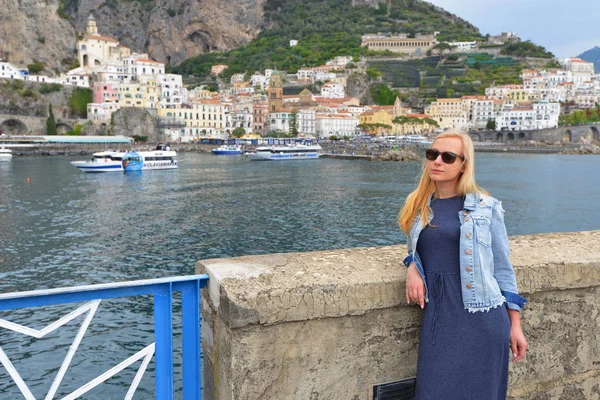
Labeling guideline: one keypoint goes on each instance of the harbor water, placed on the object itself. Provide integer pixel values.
(60, 227)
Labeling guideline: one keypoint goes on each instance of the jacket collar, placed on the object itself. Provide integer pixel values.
(470, 201)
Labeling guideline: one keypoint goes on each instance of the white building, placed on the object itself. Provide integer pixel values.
(94, 50)
(540, 115)
(305, 75)
(171, 89)
(333, 90)
(9, 71)
(340, 60)
(101, 111)
(339, 125)
(464, 45)
(260, 81)
(323, 76)
(306, 123)
(237, 78)
(293, 43)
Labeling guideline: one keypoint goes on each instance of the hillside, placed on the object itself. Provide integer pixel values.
(326, 29)
(593, 56)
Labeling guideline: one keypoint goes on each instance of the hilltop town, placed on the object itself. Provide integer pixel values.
(256, 105)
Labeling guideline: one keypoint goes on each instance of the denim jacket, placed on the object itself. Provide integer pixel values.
(486, 274)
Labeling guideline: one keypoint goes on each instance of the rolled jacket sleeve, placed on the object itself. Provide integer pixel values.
(503, 269)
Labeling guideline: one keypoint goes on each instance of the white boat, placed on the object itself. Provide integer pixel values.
(112, 161)
(227, 150)
(5, 154)
(286, 153)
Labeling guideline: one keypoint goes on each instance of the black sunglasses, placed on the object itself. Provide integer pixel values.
(448, 157)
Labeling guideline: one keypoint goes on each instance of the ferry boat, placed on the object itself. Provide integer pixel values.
(5, 154)
(227, 150)
(283, 153)
(120, 161)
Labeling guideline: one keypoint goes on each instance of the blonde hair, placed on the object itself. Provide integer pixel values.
(416, 202)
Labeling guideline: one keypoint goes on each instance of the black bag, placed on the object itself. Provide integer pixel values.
(399, 390)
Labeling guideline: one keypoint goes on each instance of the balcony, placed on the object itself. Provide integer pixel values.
(170, 122)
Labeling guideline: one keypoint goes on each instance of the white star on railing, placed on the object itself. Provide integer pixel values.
(90, 308)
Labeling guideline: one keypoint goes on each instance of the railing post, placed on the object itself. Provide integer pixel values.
(190, 310)
(163, 334)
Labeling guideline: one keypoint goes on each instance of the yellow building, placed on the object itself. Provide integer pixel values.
(448, 113)
(131, 95)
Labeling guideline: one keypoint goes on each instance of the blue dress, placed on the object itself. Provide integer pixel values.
(462, 355)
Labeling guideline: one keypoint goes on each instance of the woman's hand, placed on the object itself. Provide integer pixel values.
(415, 287)
(518, 343)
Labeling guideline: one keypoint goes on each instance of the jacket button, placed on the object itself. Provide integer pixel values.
(467, 251)
(468, 269)
(465, 213)
(469, 286)
(466, 218)
(468, 235)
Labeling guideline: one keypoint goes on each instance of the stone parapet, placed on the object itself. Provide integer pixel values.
(331, 324)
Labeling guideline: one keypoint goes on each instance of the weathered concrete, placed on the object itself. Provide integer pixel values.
(330, 324)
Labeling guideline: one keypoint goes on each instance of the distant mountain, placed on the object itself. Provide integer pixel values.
(593, 56)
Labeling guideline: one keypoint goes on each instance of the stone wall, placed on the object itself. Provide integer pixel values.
(331, 324)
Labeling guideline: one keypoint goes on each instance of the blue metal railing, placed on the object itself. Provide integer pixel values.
(162, 290)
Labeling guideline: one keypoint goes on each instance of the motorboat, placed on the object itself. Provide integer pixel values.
(5, 154)
(286, 153)
(228, 150)
(120, 161)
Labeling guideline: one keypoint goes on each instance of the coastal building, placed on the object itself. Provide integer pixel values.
(93, 50)
(9, 71)
(448, 113)
(260, 115)
(106, 92)
(171, 89)
(275, 92)
(341, 61)
(237, 78)
(306, 123)
(333, 90)
(131, 95)
(463, 46)
(400, 43)
(337, 124)
(293, 43)
(101, 112)
(517, 117)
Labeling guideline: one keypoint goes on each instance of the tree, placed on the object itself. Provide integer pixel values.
(51, 122)
(294, 125)
(491, 125)
(238, 132)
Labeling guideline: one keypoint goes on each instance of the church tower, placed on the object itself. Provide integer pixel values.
(91, 28)
(275, 92)
(397, 108)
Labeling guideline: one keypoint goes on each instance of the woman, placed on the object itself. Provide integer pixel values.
(460, 273)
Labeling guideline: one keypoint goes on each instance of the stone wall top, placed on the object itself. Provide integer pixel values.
(276, 288)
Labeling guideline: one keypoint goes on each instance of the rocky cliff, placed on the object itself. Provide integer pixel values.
(170, 31)
(31, 30)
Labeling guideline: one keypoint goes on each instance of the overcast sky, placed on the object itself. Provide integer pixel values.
(566, 28)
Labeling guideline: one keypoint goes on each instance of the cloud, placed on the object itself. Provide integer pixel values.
(566, 31)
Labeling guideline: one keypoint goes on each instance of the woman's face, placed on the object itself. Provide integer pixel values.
(441, 172)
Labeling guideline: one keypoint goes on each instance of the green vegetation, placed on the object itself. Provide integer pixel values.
(238, 132)
(383, 95)
(413, 122)
(76, 131)
(50, 122)
(527, 49)
(325, 29)
(50, 87)
(587, 116)
(491, 125)
(35, 67)
(79, 101)
(140, 138)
